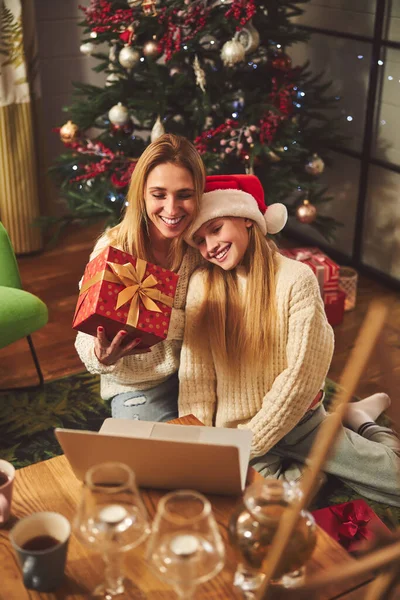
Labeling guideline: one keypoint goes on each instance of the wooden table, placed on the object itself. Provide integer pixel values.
(51, 485)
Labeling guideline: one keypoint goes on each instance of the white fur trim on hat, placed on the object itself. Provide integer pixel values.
(236, 203)
(226, 203)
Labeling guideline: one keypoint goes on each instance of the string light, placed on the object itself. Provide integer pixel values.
(126, 203)
(142, 59)
(74, 167)
(235, 115)
(383, 122)
(93, 34)
(380, 62)
(360, 57)
(390, 78)
(349, 118)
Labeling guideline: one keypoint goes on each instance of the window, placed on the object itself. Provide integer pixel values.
(357, 45)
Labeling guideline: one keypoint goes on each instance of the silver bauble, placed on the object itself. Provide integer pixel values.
(209, 42)
(112, 53)
(112, 78)
(87, 48)
(158, 130)
(118, 114)
(150, 49)
(232, 52)
(248, 37)
(128, 57)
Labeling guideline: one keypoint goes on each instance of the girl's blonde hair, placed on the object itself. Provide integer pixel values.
(131, 235)
(239, 329)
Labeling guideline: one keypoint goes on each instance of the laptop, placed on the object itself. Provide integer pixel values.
(165, 456)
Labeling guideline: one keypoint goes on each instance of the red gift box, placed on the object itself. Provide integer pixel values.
(350, 523)
(327, 273)
(335, 310)
(325, 269)
(122, 292)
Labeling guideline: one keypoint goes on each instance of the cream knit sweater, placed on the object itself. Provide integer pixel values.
(143, 371)
(290, 374)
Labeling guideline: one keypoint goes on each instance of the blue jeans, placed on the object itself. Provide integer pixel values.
(156, 404)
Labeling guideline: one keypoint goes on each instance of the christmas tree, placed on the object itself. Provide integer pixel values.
(218, 72)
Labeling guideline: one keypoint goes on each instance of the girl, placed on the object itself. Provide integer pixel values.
(257, 346)
(163, 198)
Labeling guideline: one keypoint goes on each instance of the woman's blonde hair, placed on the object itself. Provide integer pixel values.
(239, 329)
(131, 235)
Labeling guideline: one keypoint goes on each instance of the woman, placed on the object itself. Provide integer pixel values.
(257, 346)
(163, 199)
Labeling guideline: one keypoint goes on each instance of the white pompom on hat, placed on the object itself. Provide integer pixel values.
(237, 196)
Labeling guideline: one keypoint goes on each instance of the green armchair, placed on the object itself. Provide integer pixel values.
(21, 313)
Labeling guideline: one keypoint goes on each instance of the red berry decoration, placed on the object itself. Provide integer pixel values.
(281, 61)
(126, 128)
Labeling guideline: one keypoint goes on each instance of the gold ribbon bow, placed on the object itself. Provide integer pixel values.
(135, 288)
(138, 289)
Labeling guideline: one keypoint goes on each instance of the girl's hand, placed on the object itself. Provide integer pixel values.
(108, 353)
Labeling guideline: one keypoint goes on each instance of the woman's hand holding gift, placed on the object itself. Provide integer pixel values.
(108, 353)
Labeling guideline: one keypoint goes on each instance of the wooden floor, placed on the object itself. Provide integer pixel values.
(54, 275)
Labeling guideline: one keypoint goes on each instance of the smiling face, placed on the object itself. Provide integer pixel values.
(170, 200)
(223, 241)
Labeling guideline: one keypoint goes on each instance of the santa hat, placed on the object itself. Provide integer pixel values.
(238, 196)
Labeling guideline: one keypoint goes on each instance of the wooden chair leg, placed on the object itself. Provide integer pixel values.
(27, 388)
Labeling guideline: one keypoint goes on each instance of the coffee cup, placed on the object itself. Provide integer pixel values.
(41, 542)
(7, 475)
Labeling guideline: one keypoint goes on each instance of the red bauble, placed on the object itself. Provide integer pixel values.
(281, 61)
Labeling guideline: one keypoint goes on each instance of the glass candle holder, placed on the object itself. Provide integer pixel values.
(348, 279)
(252, 528)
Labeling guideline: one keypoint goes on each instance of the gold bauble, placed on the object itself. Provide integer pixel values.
(150, 49)
(68, 132)
(306, 213)
(315, 165)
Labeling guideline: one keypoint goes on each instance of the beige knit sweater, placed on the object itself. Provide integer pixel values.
(290, 374)
(143, 371)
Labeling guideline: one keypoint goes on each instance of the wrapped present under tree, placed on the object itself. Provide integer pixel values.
(327, 273)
